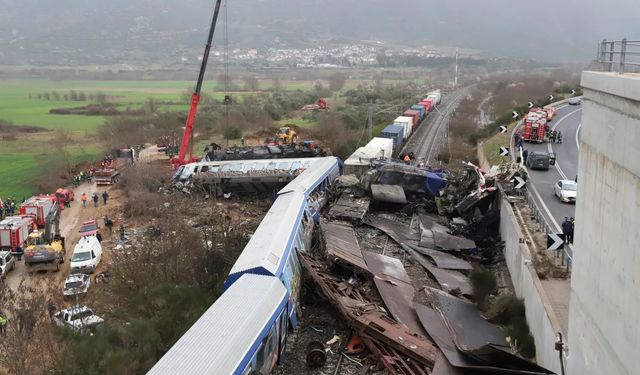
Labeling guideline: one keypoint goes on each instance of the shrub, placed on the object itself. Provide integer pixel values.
(484, 283)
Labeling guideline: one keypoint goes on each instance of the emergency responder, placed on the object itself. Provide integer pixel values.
(3, 323)
(559, 139)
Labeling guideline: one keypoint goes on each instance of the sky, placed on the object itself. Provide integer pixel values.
(566, 30)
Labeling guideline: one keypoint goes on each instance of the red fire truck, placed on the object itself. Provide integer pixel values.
(535, 125)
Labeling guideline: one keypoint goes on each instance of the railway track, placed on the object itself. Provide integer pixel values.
(425, 143)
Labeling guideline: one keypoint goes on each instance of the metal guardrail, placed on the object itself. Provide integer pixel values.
(545, 227)
(623, 55)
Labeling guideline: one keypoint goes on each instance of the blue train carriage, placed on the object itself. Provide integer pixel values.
(243, 332)
(271, 251)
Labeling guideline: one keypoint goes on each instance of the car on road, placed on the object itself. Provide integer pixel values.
(87, 255)
(539, 160)
(7, 263)
(566, 190)
(77, 318)
(76, 284)
(574, 101)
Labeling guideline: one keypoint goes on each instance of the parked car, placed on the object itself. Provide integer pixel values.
(566, 190)
(540, 160)
(77, 318)
(7, 263)
(76, 284)
(87, 255)
(574, 101)
(90, 228)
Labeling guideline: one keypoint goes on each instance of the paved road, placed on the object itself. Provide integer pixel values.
(568, 120)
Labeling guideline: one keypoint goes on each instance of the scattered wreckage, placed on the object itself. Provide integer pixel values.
(375, 293)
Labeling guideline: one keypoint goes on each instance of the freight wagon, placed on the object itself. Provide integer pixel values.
(415, 115)
(406, 123)
(396, 133)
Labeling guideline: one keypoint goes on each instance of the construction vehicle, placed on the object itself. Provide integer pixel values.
(286, 135)
(187, 143)
(45, 247)
(108, 174)
(43, 253)
(535, 125)
(320, 105)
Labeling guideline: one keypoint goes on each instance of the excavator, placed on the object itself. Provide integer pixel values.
(187, 143)
(287, 135)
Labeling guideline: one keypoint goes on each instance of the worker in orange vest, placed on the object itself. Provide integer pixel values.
(84, 199)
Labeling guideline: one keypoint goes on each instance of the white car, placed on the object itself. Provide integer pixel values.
(566, 190)
(7, 262)
(87, 255)
(77, 318)
(574, 101)
(76, 284)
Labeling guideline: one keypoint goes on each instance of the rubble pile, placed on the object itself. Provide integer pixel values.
(398, 275)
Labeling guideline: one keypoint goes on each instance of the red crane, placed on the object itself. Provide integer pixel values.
(195, 99)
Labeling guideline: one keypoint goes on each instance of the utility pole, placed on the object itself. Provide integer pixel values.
(370, 121)
(455, 80)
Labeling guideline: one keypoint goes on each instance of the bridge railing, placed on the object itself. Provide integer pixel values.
(544, 226)
(619, 55)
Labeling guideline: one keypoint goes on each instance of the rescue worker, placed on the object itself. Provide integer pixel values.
(3, 323)
(572, 221)
(553, 136)
(105, 195)
(94, 196)
(525, 155)
(108, 223)
(559, 139)
(19, 252)
(83, 198)
(122, 232)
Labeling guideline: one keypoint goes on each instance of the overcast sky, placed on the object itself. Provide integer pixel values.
(541, 29)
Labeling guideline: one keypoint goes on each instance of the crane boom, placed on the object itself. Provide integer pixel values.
(195, 98)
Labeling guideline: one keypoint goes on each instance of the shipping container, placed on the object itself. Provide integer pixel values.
(14, 231)
(406, 123)
(384, 144)
(395, 132)
(428, 103)
(436, 96)
(415, 115)
(359, 162)
(39, 207)
(419, 108)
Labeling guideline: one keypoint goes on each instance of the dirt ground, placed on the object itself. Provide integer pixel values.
(71, 220)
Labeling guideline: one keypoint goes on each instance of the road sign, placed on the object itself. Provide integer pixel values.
(530, 105)
(503, 129)
(555, 241)
(504, 151)
(573, 92)
(515, 114)
(520, 183)
(550, 97)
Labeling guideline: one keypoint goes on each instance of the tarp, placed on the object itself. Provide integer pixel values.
(411, 178)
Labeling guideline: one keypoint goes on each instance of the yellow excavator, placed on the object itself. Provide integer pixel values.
(286, 135)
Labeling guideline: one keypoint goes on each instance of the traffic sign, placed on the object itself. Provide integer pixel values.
(503, 129)
(550, 97)
(504, 151)
(515, 114)
(530, 105)
(573, 92)
(555, 241)
(520, 183)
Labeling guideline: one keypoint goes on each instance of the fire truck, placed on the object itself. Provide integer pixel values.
(535, 125)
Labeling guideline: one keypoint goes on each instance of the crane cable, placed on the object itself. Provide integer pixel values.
(227, 102)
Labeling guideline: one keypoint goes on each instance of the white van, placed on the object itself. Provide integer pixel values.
(86, 255)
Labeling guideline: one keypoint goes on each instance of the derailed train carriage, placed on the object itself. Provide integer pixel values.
(244, 331)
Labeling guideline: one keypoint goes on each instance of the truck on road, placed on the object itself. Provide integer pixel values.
(78, 318)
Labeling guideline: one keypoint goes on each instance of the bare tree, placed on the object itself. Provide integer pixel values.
(337, 81)
(28, 344)
(61, 142)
